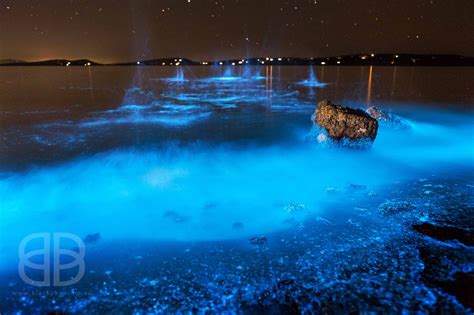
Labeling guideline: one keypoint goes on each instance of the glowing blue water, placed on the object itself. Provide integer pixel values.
(244, 74)
(179, 78)
(218, 179)
(312, 81)
(177, 175)
(131, 194)
(227, 72)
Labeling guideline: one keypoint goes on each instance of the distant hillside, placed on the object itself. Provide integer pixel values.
(53, 62)
(11, 61)
(345, 60)
(177, 61)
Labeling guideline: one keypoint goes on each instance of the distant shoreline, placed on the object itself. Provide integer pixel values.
(346, 60)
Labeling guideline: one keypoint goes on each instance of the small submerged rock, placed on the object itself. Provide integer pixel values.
(395, 206)
(237, 225)
(342, 122)
(332, 190)
(371, 194)
(175, 217)
(258, 240)
(356, 187)
(92, 238)
(210, 205)
(294, 207)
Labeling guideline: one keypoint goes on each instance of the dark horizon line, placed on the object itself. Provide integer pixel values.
(382, 59)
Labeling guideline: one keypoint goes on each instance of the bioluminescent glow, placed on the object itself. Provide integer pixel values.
(137, 96)
(160, 118)
(201, 192)
(219, 174)
(243, 74)
(228, 72)
(187, 101)
(312, 81)
(189, 167)
(179, 78)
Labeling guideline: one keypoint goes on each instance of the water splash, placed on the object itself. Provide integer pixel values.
(246, 72)
(228, 73)
(312, 81)
(245, 75)
(179, 78)
(138, 96)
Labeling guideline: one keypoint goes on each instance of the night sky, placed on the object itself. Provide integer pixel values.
(126, 30)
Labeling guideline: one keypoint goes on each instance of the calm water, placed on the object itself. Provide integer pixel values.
(204, 155)
(54, 114)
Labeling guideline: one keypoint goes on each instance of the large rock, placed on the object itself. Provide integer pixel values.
(343, 122)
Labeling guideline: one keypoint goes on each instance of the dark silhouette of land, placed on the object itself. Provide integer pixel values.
(346, 60)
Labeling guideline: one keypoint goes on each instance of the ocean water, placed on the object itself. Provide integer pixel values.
(187, 164)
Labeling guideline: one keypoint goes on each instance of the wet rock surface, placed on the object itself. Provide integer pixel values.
(462, 287)
(446, 233)
(344, 122)
(386, 119)
(346, 258)
(449, 270)
(377, 113)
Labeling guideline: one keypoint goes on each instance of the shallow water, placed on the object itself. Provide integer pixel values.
(199, 155)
